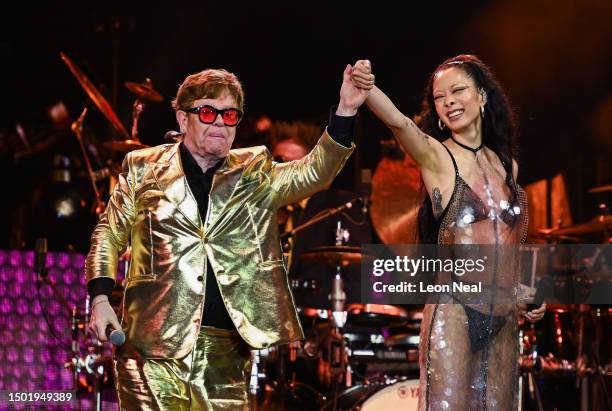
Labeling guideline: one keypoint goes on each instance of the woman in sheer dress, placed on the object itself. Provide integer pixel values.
(464, 148)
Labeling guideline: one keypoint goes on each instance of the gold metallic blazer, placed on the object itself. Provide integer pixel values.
(153, 208)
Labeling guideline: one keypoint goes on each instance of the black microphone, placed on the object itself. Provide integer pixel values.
(40, 257)
(171, 136)
(366, 188)
(116, 337)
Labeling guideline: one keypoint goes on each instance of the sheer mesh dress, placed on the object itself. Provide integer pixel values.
(468, 351)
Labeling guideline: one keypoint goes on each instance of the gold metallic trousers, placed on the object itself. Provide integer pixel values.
(214, 376)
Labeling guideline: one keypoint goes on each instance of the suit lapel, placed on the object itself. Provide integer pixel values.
(224, 184)
(171, 179)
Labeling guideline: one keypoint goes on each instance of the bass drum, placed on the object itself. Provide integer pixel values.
(401, 395)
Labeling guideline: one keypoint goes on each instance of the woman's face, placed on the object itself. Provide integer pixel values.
(457, 99)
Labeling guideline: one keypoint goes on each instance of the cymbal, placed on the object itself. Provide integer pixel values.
(396, 199)
(598, 224)
(547, 233)
(124, 146)
(339, 255)
(95, 96)
(144, 91)
(601, 189)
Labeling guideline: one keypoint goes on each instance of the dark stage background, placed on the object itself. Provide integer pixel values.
(554, 59)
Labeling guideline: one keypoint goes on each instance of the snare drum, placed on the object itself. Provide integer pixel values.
(377, 315)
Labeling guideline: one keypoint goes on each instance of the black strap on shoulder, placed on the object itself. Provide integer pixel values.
(452, 158)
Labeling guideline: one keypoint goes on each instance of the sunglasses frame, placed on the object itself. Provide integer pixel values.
(196, 110)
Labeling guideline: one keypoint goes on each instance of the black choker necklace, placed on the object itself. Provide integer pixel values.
(473, 150)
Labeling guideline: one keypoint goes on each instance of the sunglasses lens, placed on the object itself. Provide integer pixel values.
(231, 117)
(207, 115)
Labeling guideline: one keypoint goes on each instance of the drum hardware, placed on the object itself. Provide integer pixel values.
(598, 224)
(402, 340)
(377, 315)
(300, 285)
(339, 255)
(386, 355)
(96, 97)
(601, 189)
(382, 395)
(78, 324)
(92, 371)
(124, 146)
(353, 337)
(77, 129)
(552, 350)
(326, 214)
(144, 92)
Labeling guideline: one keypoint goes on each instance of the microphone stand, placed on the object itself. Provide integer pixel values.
(326, 214)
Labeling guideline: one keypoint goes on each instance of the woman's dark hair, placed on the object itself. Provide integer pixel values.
(498, 129)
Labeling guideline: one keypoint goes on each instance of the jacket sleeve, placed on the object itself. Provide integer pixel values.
(111, 235)
(302, 178)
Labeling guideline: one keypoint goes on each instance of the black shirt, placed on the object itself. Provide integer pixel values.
(200, 183)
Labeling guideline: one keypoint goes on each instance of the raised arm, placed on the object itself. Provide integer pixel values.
(424, 149)
(301, 178)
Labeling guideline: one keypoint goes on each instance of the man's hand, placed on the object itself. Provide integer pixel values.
(534, 315)
(352, 96)
(102, 315)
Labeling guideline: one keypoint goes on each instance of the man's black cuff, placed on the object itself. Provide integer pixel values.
(102, 285)
(341, 129)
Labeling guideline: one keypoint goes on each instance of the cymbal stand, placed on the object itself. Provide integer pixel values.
(338, 348)
(137, 109)
(527, 380)
(77, 129)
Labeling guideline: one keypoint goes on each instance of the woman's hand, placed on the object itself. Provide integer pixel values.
(362, 76)
(534, 315)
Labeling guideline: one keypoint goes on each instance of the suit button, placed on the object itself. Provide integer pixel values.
(200, 278)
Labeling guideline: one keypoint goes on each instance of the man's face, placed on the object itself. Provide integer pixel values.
(207, 140)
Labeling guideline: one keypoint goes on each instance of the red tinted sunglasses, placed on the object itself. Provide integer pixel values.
(208, 114)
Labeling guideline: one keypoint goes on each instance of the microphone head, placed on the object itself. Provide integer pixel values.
(117, 338)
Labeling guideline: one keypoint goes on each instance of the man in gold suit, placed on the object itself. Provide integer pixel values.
(206, 279)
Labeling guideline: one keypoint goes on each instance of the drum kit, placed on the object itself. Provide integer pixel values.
(573, 340)
(355, 356)
(144, 93)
